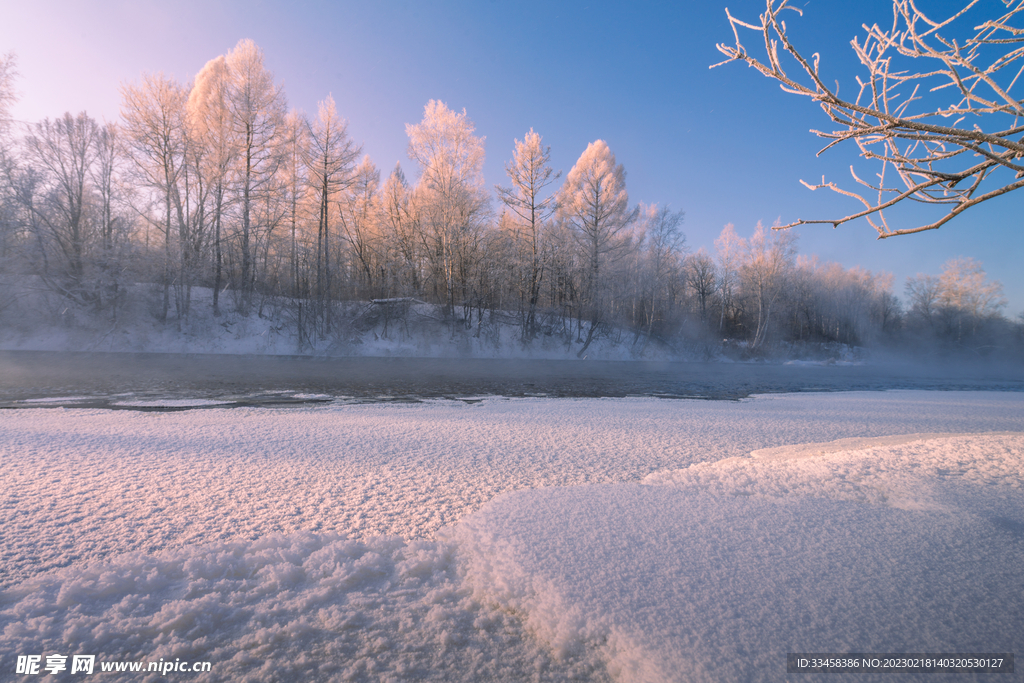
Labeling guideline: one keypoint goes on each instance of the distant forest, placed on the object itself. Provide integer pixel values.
(215, 184)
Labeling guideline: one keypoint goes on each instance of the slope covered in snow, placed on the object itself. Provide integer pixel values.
(526, 539)
(717, 571)
(405, 328)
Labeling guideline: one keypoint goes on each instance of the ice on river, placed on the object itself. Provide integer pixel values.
(523, 539)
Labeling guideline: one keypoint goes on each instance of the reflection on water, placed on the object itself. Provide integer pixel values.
(165, 382)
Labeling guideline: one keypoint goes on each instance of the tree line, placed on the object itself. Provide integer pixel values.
(215, 184)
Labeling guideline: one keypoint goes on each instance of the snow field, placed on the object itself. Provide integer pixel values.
(512, 539)
(298, 607)
(716, 571)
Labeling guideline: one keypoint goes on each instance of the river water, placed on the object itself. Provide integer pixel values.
(106, 380)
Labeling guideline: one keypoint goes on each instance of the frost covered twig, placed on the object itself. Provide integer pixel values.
(899, 115)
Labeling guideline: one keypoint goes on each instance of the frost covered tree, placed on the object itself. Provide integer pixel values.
(8, 96)
(958, 301)
(154, 125)
(209, 119)
(330, 158)
(401, 234)
(939, 110)
(106, 177)
(923, 292)
(257, 107)
(958, 305)
(594, 204)
(71, 199)
(64, 149)
(831, 304)
(8, 196)
(767, 263)
(701, 276)
(360, 228)
(103, 176)
(450, 199)
(662, 247)
(963, 285)
(728, 250)
(295, 182)
(530, 175)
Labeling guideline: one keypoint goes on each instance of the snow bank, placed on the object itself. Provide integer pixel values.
(361, 329)
(302, 607)
(87, 484)
(513, 539)
(719, 570)
(913, 471)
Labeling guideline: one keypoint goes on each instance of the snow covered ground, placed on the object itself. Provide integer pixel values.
(41, 322)
(515, 539)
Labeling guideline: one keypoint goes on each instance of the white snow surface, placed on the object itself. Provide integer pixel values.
(516, 539)
(723, 568)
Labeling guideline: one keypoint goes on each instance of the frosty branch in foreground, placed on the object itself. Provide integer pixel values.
(898, 118)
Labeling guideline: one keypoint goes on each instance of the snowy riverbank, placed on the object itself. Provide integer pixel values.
(394, 328)
(523, 539)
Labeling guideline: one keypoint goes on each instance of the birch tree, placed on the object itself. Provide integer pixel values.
(106, 179)
(767, 262)
(197, 199)
(923, 292)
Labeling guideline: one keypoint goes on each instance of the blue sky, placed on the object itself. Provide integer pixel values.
(723, 145)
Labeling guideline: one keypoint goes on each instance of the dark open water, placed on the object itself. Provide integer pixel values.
(99, 380)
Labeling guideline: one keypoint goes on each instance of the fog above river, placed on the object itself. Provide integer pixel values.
(254, 380)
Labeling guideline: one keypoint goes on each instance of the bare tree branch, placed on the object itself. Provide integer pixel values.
(896, 104)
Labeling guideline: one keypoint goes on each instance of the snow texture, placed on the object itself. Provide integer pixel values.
(723, 568)
(525, 539)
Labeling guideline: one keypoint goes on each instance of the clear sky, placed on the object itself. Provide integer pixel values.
(723, 145)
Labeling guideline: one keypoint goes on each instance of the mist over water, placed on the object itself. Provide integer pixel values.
(107, 379)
